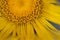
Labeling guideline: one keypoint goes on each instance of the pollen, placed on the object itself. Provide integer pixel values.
(21, 11)
(21, 7)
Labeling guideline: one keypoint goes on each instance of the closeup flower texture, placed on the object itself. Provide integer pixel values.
(29, 19)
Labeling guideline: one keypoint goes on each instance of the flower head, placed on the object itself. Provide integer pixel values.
(29, 20)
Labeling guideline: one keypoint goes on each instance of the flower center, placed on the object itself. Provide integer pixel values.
(21, 11)
(21, 7)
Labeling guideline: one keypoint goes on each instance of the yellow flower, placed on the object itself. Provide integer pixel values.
(29, 20)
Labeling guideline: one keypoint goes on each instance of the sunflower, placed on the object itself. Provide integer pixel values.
(29, 20)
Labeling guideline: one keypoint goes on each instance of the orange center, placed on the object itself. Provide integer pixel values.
(21, 7)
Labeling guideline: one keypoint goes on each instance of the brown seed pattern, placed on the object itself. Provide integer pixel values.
(19, 20)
